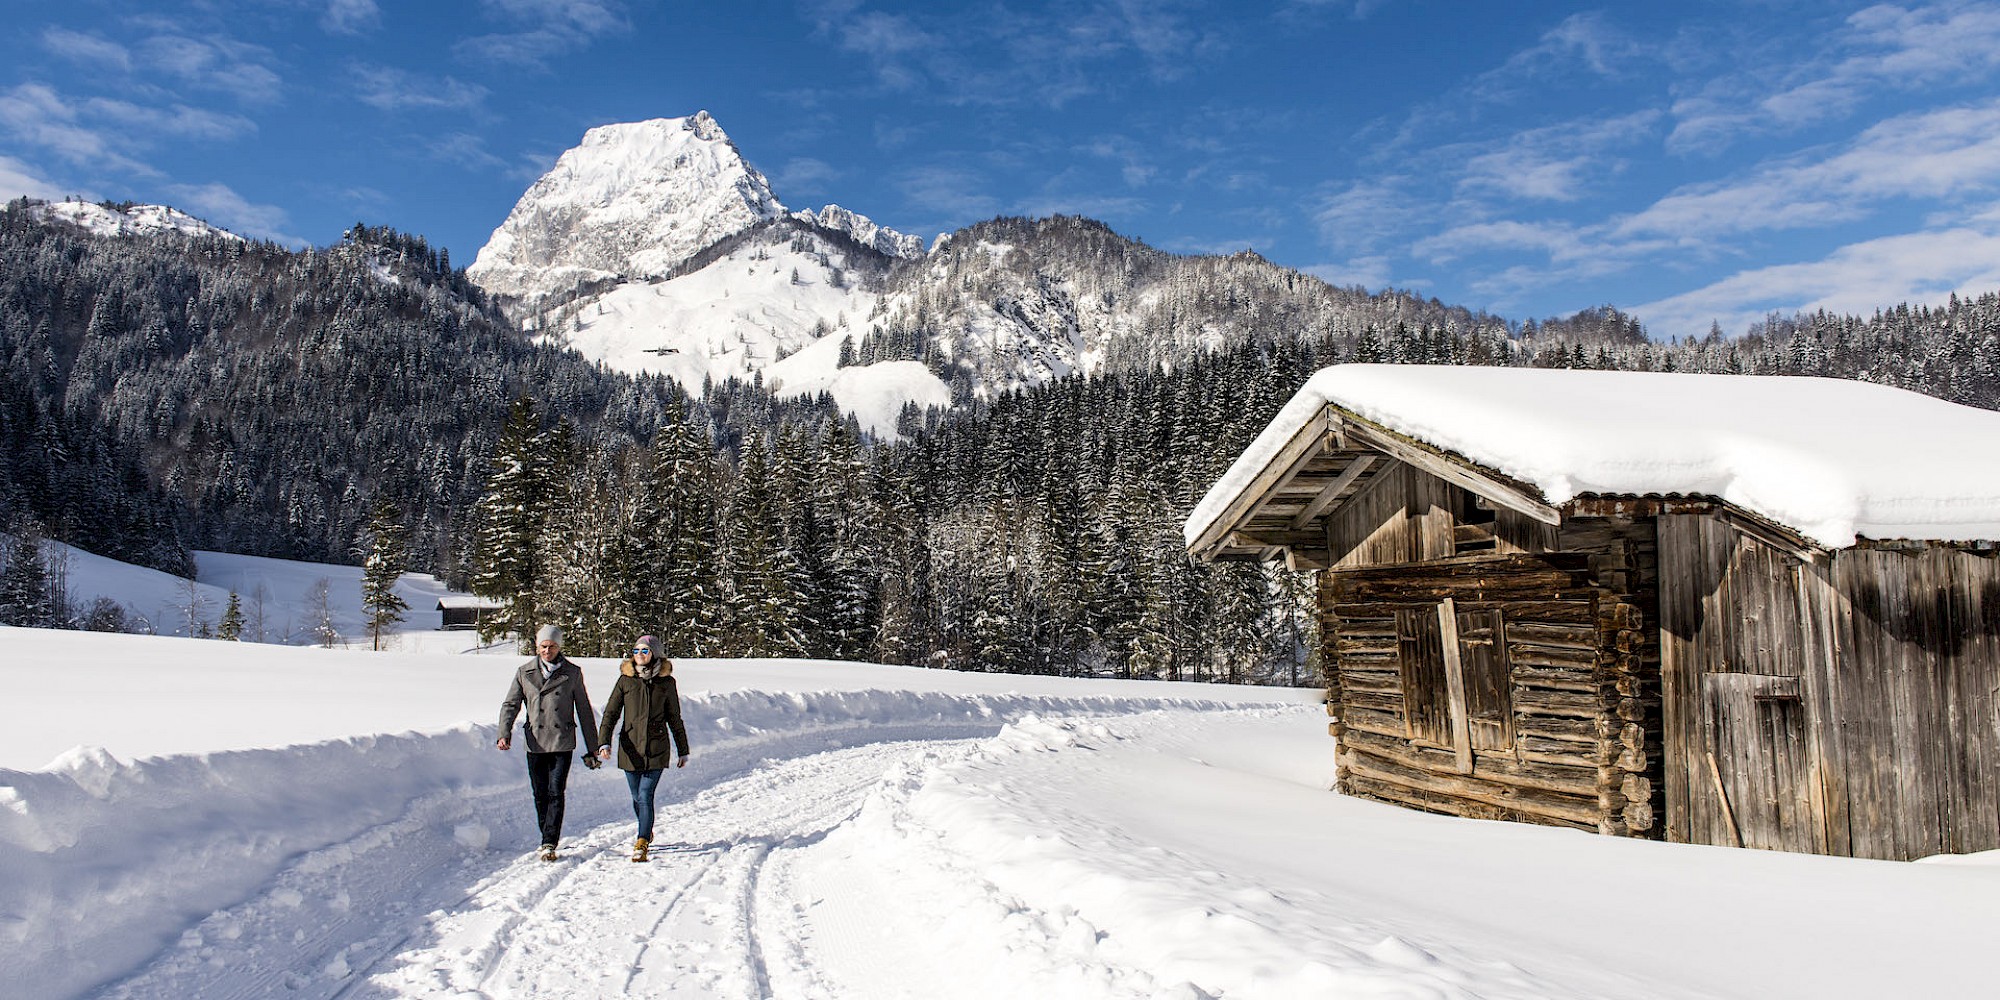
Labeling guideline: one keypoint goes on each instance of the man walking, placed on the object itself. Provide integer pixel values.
(551, 687)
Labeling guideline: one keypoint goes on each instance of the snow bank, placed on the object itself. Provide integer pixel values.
(107, 860)
(1198, 855)
(181, 696)
(1831, 458)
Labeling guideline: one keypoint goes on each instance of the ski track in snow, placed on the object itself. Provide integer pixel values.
(419, 907)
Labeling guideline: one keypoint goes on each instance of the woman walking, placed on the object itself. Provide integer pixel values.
(649, 702)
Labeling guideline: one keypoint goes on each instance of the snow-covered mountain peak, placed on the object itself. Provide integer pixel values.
(864, 231)
(633, 200)
(129, 220)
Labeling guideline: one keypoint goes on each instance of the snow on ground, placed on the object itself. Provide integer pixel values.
(875, 393)
(1831, 458)
(325, 823)
(160, 600)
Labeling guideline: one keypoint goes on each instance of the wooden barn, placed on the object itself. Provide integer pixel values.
(1713, 609)
(465, 612)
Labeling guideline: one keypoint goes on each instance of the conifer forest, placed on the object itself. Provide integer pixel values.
(180, 393)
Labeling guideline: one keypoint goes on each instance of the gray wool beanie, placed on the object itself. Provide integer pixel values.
(549, 633)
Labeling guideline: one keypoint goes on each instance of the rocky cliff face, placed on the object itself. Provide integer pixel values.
(631, 202)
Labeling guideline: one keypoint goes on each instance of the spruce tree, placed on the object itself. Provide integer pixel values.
(230, 629)
(505, 561)
(24, 587)
(387, 555)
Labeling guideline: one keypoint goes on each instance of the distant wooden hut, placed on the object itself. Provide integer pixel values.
(465, 612)
(1711, 609)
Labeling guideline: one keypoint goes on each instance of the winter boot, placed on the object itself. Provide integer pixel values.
(548, 852)
(639, 849)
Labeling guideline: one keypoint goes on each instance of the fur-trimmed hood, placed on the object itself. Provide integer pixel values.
(630, 669)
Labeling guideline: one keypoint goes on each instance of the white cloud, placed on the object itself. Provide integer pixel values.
(550, 28)
(215, 63)
(1920, 267)
(39, 116)
(805, 175)
(392, 89)
(350, 17)
(1556, 162)
(1365, 214)
(1884, 48)
(1943, 154)
(87, 49)
(998, 55)
(1367, 272)
(103, 133)
(465, 149)
(1560, 242)
(958, 194)
(220, 204)
(18, 179)
(178, 121)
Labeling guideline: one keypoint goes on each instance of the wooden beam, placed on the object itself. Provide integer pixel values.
(1300, 449)
(1458, 472)
(1332, 490)
(1763, 529)
(1454, 682)
(1254, 538)
(1321, 441)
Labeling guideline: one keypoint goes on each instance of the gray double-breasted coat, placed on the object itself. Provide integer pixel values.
(556, 703)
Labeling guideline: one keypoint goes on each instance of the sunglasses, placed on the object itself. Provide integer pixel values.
(641, 649)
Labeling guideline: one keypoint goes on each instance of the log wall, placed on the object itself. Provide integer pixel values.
(1502, 686)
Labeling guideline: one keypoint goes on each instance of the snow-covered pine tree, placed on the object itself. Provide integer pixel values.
(506, 563)
(387, 555)
(853, 540)
(24, 586)
(680, 542)
(761, 611)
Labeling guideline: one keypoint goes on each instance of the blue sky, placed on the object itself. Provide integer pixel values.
(1691, 162)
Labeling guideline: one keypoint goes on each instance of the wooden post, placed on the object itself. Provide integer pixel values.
(1454, 677)
(1722, 796)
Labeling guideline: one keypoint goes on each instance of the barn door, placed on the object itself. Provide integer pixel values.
(1756, 759)
(1489, 682)
(1457, 685)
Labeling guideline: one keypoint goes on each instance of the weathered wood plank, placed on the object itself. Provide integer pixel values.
(1454, 678)
(1332, 491)
(1518, 798)
(1411, 798)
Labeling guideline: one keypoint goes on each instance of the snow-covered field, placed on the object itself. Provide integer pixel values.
(284, 603)
(255, 821)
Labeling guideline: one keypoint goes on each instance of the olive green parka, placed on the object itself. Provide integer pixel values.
(651, 713)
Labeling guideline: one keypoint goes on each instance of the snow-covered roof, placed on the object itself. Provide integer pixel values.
(456, 602)
(1831, 459)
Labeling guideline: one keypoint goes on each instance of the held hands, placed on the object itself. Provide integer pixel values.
(604, 753)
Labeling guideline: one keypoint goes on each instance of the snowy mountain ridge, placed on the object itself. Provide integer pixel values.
(133, 220)
(864, 231)
(654, 247)
(631, 201)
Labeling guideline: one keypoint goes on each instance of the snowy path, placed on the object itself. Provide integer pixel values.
(843, 847)
(416, 908)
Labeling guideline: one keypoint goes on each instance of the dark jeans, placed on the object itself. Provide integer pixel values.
(642, 784)
(548, 775)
